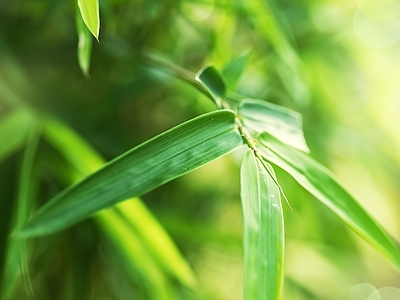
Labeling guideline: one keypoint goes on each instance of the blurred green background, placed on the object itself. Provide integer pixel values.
(336, 62)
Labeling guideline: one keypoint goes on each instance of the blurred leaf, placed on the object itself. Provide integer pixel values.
(138, 171)
(263, 230)
(213, 82)
(13, 131)
(321, 183)
(152, 235)
(281, 122)
(269, 20)
(73, 147)
(17, 256)
(134, 220)
(134, 252)
(90, 14)
(234, 69)
(85, 42)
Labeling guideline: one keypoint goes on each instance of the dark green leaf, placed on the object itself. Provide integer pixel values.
(281, 122)
(263, 230)
(322, 184)
(213, 82)
(127, 221)
(138, 171)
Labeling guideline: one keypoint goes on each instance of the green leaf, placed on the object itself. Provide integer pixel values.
(138, 171)
(90, 14)
(85, 42)
(13, 131)
(279, 121)
(127, 221)
(321, 183)
(263, 230)
(213, 82)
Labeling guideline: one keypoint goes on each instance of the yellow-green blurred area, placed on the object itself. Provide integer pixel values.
(335, 62)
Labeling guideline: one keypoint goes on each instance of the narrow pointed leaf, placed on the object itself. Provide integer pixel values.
(321, 183)
(85, 42)
(127, 221)
(263, 230)
(213, 82)
(281, 122)
(138, 171)
(90, 14)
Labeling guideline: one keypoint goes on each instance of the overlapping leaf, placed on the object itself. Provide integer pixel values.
(263, 235)
(322, 184)
(281, 122)
(147, 166)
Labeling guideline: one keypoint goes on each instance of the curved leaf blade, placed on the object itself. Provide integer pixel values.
(263, 230)
(321, 183)
(90, 14)
(281, 122)
(147, 166)
(213, 82)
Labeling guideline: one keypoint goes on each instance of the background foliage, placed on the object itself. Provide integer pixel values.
(310, 56)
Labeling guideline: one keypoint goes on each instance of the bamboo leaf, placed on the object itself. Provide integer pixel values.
(263, 230)
(138, 171)
(321, 183)
(90, 14)
(213, 82)
(279, 121)
(85, 42)
(127, 221)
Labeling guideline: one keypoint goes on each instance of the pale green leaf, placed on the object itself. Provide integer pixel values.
(321, 183)
(263, 236)
(13, 131)
(138, 171)
(90, 14)
(85, 42)
(135, 222)
(213, 82)
(281, 122)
